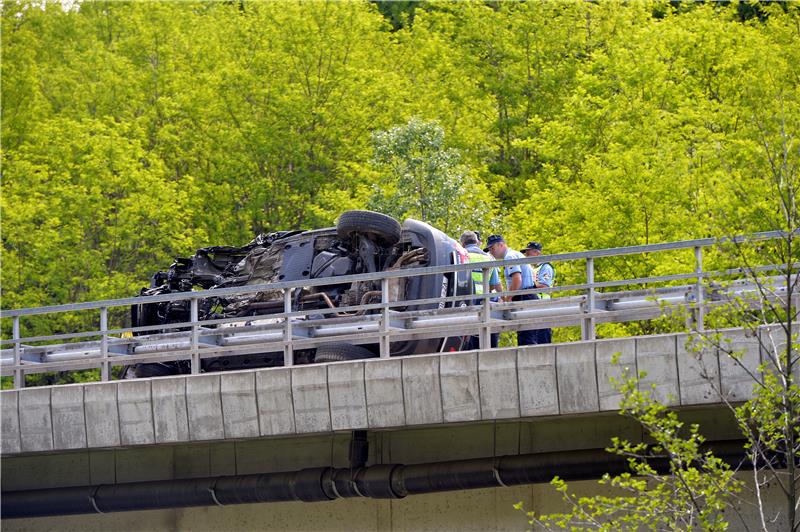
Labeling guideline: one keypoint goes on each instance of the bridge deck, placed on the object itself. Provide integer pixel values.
(549, 380)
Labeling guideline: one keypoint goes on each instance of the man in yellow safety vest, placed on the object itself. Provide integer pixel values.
(472, 243)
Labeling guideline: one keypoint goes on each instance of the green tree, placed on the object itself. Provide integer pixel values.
(692, 488)
(423, 178)
(757, 142)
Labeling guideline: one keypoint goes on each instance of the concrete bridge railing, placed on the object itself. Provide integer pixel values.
(535, 381)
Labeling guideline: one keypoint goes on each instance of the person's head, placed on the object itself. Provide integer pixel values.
(469, 238)
(533, 249)
(496, 246)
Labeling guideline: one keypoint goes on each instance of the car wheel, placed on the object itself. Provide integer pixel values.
(380, 227)
(339, 352)
(142, 371)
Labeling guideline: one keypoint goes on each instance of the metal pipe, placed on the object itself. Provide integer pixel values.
(588, 324)
(19, 377)
(385, 481)
(288, 351)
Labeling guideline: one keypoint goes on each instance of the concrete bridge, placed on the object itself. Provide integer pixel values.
(444, 414)
(569, 379)
(436, 441)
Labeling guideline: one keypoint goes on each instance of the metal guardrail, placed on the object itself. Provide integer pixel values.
(375, 323)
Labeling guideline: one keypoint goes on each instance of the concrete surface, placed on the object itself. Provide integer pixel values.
(537, 381)
(171, 417)
(204, 406)
(656, 357)
(577, 378)
(616, 360)
(348, 396)
(69, 418)
(460, 393)
(384, 387)
(102, 414)
(428, 390)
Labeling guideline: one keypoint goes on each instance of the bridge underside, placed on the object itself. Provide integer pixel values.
(558, 439)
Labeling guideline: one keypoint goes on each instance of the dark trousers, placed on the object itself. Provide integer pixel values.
(544, 336)
(474, 342)
(528, 337)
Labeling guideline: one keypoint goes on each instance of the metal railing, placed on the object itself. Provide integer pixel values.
(381, 323)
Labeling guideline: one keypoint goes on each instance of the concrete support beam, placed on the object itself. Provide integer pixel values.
(102, 416)
(499, 384)
(169, 410)
(135, 412)
(348, 396)
(9, 435)
(460, 392)
(536, 372)
(532, 381)
(310, 394)
(698, 369)
(36, 425)
(204, 407)
(773, 348)
(657, 357)
(69, 418)
(577, 378)
(422, 393)
(239, 410)
(739, 359)
(384, 387)
(624, 350)
(274, 398)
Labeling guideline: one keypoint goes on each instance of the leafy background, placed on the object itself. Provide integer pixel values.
(136, 132)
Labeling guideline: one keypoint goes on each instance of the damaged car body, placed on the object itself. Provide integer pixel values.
(362, 242)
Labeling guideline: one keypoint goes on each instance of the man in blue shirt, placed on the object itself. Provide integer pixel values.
(543, 277)
(518, 277)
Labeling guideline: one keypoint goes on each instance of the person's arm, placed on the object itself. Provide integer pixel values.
(515, 284)
(494, 282)
(544, 279)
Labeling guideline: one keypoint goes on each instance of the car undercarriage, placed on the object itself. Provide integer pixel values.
(362, 242)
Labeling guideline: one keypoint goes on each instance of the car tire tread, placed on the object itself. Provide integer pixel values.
(340, 352)
(384, 229)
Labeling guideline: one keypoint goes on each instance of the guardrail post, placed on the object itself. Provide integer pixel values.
(288, 353)
(19, 376)
(104, 364)
(193, 315)
(587, 329)
(699, 313)
(485, 339)
(385, 350)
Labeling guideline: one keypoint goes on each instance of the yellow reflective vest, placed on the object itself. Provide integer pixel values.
(536, 276)
(477, 274)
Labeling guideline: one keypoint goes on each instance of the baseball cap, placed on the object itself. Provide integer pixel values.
(492, 240)
(532, 245)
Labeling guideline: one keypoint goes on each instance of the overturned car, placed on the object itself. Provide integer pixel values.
(361, 242)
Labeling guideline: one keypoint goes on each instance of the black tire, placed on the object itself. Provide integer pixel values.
(143, 371)
(381, 228)
(339, 352)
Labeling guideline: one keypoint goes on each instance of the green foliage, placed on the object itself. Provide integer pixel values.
(673, 483)
(136, 131)
(424, 179)
(400, 13)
